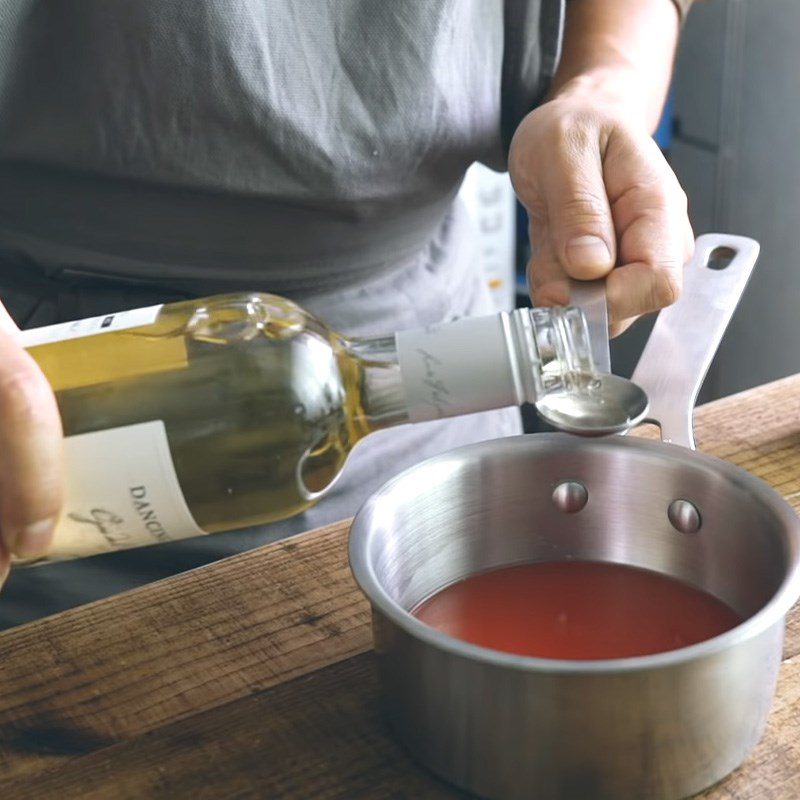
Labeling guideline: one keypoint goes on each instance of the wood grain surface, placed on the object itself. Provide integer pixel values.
(252, 677)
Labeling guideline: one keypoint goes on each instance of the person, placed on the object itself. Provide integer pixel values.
(161, 149)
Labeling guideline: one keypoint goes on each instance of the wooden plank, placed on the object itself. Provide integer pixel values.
(95, 675)
(322, 736)
(90, 680)
(772, 772)
(758, 430)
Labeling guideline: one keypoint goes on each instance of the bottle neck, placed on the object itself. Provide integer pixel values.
(381, 401)
(563, 352)
(470, 365)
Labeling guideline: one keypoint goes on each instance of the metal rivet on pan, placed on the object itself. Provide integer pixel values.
(684, 516)
(570, 496)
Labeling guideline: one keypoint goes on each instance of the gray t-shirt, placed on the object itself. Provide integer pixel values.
(309, 147)
(310, 143)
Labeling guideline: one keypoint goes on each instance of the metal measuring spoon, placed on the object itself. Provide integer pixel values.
(607, 403)
(610, 405)
(590, 297)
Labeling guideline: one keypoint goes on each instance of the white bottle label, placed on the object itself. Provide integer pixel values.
(122, 492)
(89, 326)
(458, 368)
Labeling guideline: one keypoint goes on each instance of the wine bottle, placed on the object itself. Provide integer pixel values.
(235, 410)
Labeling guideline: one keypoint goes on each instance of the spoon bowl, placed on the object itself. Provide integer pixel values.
(611, 404)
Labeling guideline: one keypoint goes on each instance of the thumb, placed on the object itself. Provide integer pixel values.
(579, 216)
(7, 325)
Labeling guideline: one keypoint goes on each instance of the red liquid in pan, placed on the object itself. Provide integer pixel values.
(576, 610)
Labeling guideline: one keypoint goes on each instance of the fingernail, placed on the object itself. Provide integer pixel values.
(34, 539)
(586, 252)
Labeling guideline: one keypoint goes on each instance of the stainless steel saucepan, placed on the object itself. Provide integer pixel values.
(660, 726)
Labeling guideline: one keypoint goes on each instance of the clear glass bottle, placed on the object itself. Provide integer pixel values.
(236, 410)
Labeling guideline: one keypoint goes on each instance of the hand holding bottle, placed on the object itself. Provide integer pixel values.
(31, 479)
(225, 412)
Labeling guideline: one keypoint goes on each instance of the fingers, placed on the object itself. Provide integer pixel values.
(568, 206)
(581, 229)
(635, 289)
(5, 566)
(31, 489)
(547, 280)
(600, 195)
(7, 324)
(688, 243)
(655, 236)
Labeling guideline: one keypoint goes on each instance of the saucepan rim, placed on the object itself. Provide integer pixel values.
(773, 611)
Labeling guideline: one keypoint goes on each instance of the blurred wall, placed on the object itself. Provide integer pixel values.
(736, 149)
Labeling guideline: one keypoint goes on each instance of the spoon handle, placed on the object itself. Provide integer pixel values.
(590, 297)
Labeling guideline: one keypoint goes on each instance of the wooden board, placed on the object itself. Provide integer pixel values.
(252, 678)
(103, 673)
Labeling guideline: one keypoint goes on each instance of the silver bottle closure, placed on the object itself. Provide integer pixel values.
(539, 355)
(505, 359)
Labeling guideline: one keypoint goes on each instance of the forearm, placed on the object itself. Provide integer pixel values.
(620, 49)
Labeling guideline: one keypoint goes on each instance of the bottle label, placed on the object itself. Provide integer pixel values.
(89, 327)
(122, 492)
(459, 367)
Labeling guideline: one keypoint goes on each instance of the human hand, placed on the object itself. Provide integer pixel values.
(602, 202)
(31, 469)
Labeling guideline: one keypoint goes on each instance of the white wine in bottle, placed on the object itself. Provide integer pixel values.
(221, 413)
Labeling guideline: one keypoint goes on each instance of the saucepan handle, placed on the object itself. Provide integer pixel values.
(686, 335)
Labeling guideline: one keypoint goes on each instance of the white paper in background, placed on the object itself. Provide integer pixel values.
(122, 492)
(490, 202)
